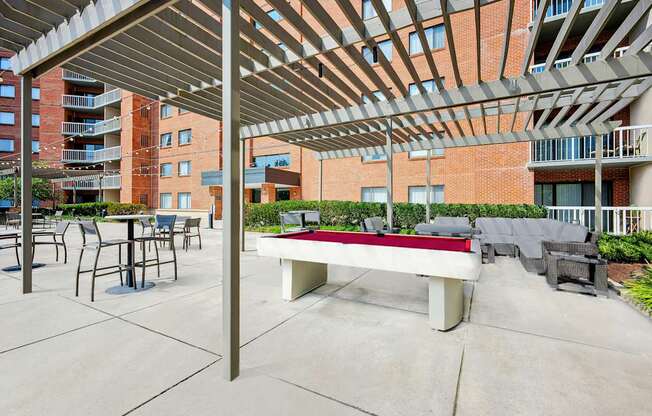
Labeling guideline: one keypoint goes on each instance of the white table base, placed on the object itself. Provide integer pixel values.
(300, 277)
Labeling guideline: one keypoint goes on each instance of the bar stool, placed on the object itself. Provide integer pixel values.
(164, 233)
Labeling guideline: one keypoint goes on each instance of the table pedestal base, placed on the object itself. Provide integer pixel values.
(123, 290)
(300, 277)
(445, 302)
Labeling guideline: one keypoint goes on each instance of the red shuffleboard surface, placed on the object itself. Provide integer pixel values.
(392, 240)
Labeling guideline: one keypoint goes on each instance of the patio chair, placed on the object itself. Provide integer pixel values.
(292, 220)
(188, 234)
(579, 263)
(89, 228)
(15, 245)
(165, 225)
(147, 230)
(60, 232)
(13, 220)
(377, 225)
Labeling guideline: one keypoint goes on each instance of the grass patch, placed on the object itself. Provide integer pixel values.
(641, 289)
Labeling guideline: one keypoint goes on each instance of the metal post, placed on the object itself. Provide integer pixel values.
(16, 187)
(428, 186)
(74, 192)
(26, 179)
(598, 184)
(100, 196)
(321, 180)
(242, 194)
(54, 196)
(231, 200)
(390, 176)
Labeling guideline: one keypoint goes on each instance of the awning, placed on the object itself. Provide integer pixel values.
(255, 177)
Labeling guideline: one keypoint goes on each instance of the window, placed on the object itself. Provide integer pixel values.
(36, 146)
(417, 194)
(6, 145)
(166, 170)
(7, 118)
(371, 56)
(185, 167)
(36, 120)
(144, 140)
(422, 154)
(434, 35)
(183, 111)
(276, 16)
(166, 111)
(282, 194)
(429, 85)
(571, 194)
(377, 94)
(368, 10)
(36, 93)
(185, 136)
(374, 158)
(376, 194)
(5, 64)
(142, 198)
(272, 161)
(166, 139)
(184, 200)
(166, 201)
(7, 91)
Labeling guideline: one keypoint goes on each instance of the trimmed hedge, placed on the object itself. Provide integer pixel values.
(94, 209)
(406, 216)
(641, 289)
(634, 248)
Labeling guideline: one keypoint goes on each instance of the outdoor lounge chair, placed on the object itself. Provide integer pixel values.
(60, 232)
(579, 263)
(377, 225)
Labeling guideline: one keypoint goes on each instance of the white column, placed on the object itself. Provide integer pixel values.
(231, 201)
(428, 186)
(26, 179)
(321, 180)
(390, 175)
(243, 149)
(598, 184)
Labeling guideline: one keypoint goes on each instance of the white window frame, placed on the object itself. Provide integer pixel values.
(431, 33)
(189, 137)
(187, 198)
(378, 194)
(13, 118)
(385, 47)
(188, 171)
(167, 196)
(436, 194)
(161, 170)
(166, 107)
(7, 91)
(161, 140)
(368, 11)
(422, 154)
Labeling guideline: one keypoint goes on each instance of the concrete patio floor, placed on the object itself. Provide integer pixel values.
(360, 345)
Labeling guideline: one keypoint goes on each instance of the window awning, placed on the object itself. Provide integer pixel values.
(255, 177)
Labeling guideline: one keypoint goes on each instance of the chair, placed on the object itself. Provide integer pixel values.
(572, 262)
(293, 220)
(59, 231)
(90, 228)
(147, 230)
(376, 224)
(15, 244)
(13, 220)
(188, 233)
(165, 225)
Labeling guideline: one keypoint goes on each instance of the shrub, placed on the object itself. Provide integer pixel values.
(634, 248)
(641, 289)
(94, 209)
(406, 215)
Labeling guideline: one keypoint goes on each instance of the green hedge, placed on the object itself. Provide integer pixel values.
(406, 216)
(634, 248)
(641, 289)
(94, 209)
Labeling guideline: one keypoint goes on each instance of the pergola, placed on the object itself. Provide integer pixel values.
(310, 84)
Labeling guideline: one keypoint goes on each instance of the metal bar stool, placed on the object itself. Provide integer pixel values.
(164, 233)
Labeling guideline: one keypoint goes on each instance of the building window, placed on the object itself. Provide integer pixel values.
(144, 140)
(185, 167)
(166, 201)
(5, 64)
(166, 170)
(368, 10)
(6, 145)
(143, 199)
(417, 194)
(184, 200)
(374, 194)
(36, 93)
(272, 161)
(434, 35)
(36, 120)
(429, 85)
(275, 15)
(7, 118)
(282, 194)
(7, 91)
(576, 194)
(422, 154)
(183, 111)
(185, 136)
(371, 55)
(374, 158)
(255, 196)
(166, 111)
(166, 139)
(36, 146)
(378, 94)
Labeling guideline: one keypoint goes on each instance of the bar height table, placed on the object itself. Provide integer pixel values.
(129, 219)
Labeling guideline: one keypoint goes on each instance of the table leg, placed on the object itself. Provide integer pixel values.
(130, 253)
(445, 302)
(300, 277)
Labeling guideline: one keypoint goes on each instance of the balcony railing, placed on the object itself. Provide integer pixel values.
(90, 156)
(615, 220)
(90, 184)
(561, 7)
(90, 129)
(623, 143)
(73, 76)
(563, 63)
(91, 103)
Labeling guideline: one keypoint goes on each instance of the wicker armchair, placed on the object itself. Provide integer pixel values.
(579, 263)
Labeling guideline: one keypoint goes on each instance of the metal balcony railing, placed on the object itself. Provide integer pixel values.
(90, 156)
(615, 220)
(561, 7)
(91, 129)
(563, 63)
(73, 76)
(623, 143)
(92, 183)
(91, 103)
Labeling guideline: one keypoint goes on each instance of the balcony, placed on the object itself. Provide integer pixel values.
(625, 146)
(90, 156)
(615, 220)
(80, 102)
(561, 7)
(90, 129)
(563, 63)
(78, 78)
(92, 183)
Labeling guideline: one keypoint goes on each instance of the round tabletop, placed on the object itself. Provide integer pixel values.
(127, 217)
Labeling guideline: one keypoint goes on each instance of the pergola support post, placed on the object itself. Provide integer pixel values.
(242, 194)
(26, 180)
(231, 204)
(428, 186)
(16, 187)
(390, 176)
(598, 184)
(321, 180)
(100, 196)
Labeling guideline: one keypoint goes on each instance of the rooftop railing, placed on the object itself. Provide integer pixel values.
(623, 143)
(86, 184)
(563, 63)
(73, 76)
(90, 102)
(561, 7)
(615, 220)
(90, 129)
(90, 156)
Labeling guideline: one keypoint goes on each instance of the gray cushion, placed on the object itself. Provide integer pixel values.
(450, 230)
(452, 221)
(528, 227)
(488, 225)
(573, 232)
(528, 247)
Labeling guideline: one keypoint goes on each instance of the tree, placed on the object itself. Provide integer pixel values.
(41, 189)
